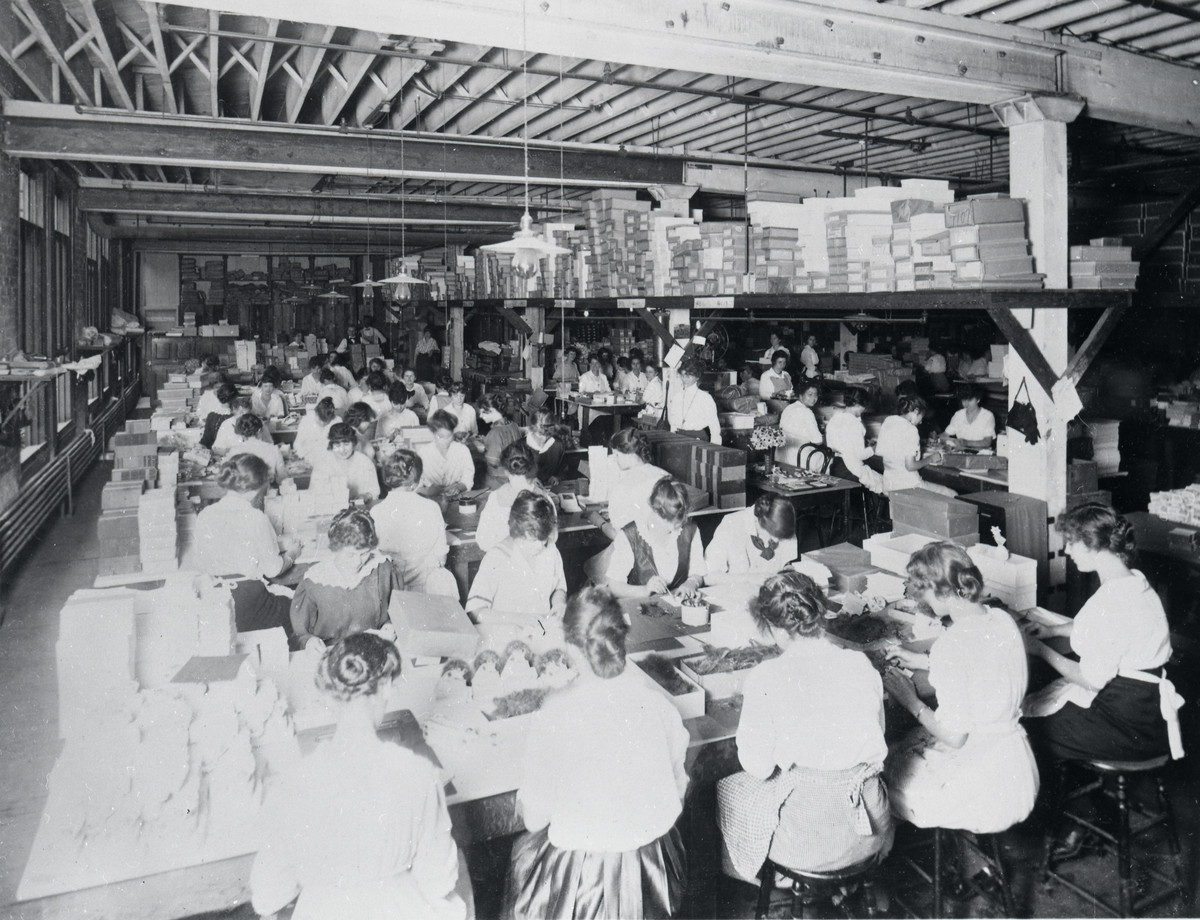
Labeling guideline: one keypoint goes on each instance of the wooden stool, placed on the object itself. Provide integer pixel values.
(991, 855)
(1122, 842)
(803, 883)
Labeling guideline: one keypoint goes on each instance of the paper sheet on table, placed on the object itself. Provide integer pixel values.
(600, 471)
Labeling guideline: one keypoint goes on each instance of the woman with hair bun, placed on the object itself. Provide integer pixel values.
(810, 741)
(312, 434)
(603, 786)
(1113, 703)
(349, 592)
(661, 553)
(629, 494)
(899, 445)
(499, 411)
(968, 763)
(411, 528)
(761, 539)
(520, 465)
(359, 828)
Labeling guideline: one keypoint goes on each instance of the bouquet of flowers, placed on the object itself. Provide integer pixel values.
(766, 437)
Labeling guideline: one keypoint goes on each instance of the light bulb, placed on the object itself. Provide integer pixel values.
(526, 261)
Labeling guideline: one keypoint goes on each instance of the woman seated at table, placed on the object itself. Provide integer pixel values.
(800, 427)
(449, 469)
(310, 383)
(246, 440)
(361, 418)
(410, 527)
(634, 480)
(312, 434)
(972, 425)
(847, 438)
(234, 537)
(968, 764)
(543, 435)
(210, 398)
(776, 382)
(226, 438)
(654, 395)
(331, 388)
(359, 827)
(566, 371)
(347, 593)
(899, 446)
(810, 740)
(519, 464)
(224, 396)
(661, 553)
(266, 401)
(464, 412)
(499, 412)
(1115, 702)
(759, 539)
(593, 380)
(393, 423)
(376, 393)
(603, 786)
(341, 461)
(521, 579)
(414, 396)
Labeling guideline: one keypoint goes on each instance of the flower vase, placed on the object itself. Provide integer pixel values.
(768, 464)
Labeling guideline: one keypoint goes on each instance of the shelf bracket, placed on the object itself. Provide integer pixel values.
(1094, 342)
(1024, 345)
(656, 326)
(514, 319)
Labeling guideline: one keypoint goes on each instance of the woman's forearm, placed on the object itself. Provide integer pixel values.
(1067, 667)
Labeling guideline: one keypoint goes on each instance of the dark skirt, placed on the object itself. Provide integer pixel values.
(544, 881)
(838, 468)
(1124, 722)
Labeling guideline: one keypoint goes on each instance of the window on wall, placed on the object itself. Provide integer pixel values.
(32, 279)
(59, 305)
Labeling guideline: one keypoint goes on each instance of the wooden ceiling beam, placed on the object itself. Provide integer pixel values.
(38, 131)
(355, 67)
(50, 46)
(214, 63)
(309, 59)
(154, 14)
(103, 50)
(262, 72)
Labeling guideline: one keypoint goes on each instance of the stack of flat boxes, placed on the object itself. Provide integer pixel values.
(175, 399)
(157, 532)
(988, 244)
(611, 242)
(719, 472)
(914, 223)
(135, 466)
(687, 271)
(835, 246)
(724, 255)
(869, 264)
(778, 266)
(923, 512)
(1103, 265)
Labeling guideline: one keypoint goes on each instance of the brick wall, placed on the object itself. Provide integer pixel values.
(1174, 268)
(10, 242)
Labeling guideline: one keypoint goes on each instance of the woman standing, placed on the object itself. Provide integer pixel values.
(810, 359)
(1115, 703)
(654, 395)
(972, 425)
(968, 764)
(847, 438)
(662, 552)
(603, 786)
(395, 856)
(759, 539)
(810, 741)
(349, 592)
(690, 410)
(899, 446)
(427, 351)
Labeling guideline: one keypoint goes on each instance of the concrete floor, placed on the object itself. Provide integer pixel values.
(64, 560)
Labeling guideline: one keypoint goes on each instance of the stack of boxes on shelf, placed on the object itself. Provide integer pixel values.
(1179, 505)
(989, 244)
(1103, 265)
(719, 472)
(611, 219)
(778, 265)
(157, 534)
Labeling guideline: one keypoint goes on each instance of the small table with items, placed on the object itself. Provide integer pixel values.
(807, 491)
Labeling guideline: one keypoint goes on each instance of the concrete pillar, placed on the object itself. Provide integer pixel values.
(1037, 139)
(454, 341)
(10, 252)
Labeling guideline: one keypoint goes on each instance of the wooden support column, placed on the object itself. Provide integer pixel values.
(534, 367)
(10, 253)
(1037, 138)
(454, 340)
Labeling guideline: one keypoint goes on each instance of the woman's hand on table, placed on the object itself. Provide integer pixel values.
(907, 658)
(1045, 630)
(900, 688)
(657, 585)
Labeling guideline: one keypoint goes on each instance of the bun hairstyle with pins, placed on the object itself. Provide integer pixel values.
(244, 473)
(248, 426)
(594, 624)
(358, 666)
(776, 516)
(1099, 527)
(402, 469)
(354, 528)
(854, 397)
(532, 517)
(946, 569)
(325, 410)
(631, 441)
(669, 500)
(790, 602)
(518, 460)
(359, 414)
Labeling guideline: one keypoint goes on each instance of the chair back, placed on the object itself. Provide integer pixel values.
(815, 458)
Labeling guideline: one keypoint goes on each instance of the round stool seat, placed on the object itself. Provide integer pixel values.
(831, 875)
(1127, 766)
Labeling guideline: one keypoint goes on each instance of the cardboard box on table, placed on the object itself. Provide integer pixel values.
(432, 626)
(924, 512)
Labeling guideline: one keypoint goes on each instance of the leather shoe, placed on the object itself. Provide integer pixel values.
(1073, 845)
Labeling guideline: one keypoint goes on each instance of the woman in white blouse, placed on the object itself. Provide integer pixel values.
(603, 786)
(968, 764)
(690, 410)
(312, 434)
(468, 420)
(342, 462)
(799, 424)
(661, 553)
(810, 741)
(1110, 704)
(776, 382)
(246, 440)
(629, 491)
(266, 402)
(899, 445)
(760, 539)
(653, 395)
(411, 529)
(847, 438)
(776, 345)
(972, 425)
(520, 466)
(449, 467)
(594, 381)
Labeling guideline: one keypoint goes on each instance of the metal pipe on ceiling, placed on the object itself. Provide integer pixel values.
(739, 98)
(1162, 6)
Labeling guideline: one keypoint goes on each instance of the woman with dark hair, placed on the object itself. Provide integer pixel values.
(654, 394)
(411, 528)
(899, 445)
(396, 857)
(968, 763)
(636, 476)
(427, 353)
(234, 537)
(499, 412)
(414, 396)
(543, 436)
(376, 394)
(759, 539)
(265, 401)
(343, 462)
(690, 410)
(847, 438)
(810, 741)
(519, 464)
(449, 469)
(662, 552)
(799, 424)
(361, 417)
(776, 382)
(521, 579)
(400, 417)
(1115, 702)
(566, 371)
(224, 395)
(310, 383)
(312, 434)
(247, 430)
(468, 420)
(226, 436)
(972, 425)
(332, 388)
(347, 593)
(603, 786)
(594, 380)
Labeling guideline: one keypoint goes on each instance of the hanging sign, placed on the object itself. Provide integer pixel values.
(631, 303)
(713, 303)
(514, 304)
(564, 305)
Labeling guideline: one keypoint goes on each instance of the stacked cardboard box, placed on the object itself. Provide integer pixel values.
(247, 355)
(611, 242)
(157, 534)
(923, 512)
(1179, 505)
(1104, 264)
(135, 456)
(778, 265)
(989, 245)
